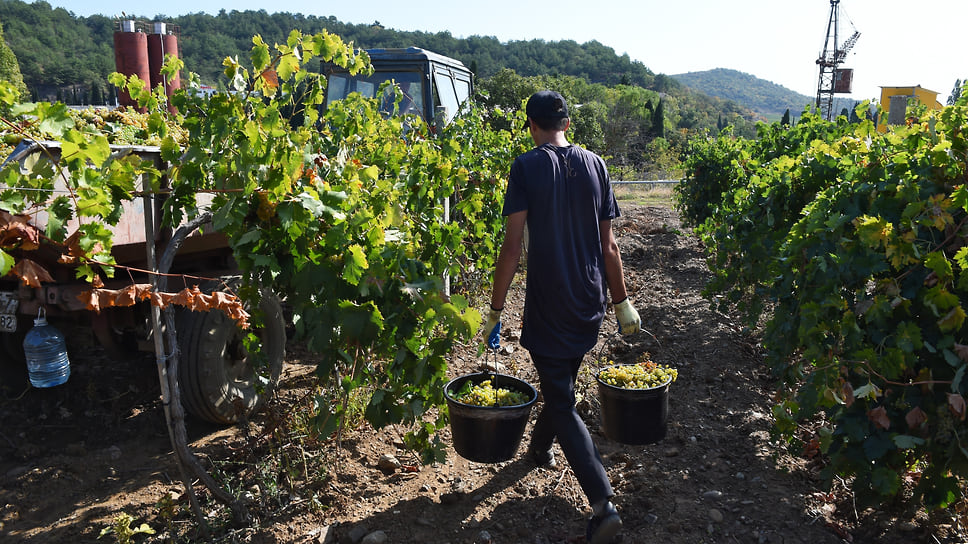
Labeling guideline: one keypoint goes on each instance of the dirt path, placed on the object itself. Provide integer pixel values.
(74, 457)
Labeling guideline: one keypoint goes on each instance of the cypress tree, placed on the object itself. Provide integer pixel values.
(853, 115)
(786, 118)
(658, 121)
(97, 98)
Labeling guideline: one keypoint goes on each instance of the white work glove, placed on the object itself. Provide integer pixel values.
(629, 321)
(492, 328)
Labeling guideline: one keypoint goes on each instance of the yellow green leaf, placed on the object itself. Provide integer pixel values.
(873, 231)
(354, 264)
(953, 320)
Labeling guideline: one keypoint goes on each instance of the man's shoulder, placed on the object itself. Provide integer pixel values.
(533, 154)
(591, 154)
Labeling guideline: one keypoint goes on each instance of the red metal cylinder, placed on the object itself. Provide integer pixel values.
(161, 44)
(131, 59)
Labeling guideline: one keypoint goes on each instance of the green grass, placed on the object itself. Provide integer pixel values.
(659, 195)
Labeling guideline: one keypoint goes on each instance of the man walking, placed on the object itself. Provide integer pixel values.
(563, 194)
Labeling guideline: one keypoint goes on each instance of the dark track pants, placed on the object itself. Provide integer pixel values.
(559, 419)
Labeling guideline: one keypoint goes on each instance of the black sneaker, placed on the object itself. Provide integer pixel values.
(602, 528)
(544, 459)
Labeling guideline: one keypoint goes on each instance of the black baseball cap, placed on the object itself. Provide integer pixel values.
(546, 105)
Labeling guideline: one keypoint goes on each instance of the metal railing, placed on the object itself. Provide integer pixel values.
(651, 182)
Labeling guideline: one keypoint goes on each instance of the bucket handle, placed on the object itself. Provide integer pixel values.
(614, 335)
(488, 354)
(601, 350)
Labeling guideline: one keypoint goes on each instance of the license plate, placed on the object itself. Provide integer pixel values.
(8, 312)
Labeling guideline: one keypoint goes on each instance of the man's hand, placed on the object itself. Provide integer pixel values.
(629, 321)
(492, 328)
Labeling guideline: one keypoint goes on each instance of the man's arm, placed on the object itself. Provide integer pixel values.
(614, 273)
(507, 260)
(629, 321)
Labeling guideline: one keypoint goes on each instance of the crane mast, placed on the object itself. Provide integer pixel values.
(833, 79)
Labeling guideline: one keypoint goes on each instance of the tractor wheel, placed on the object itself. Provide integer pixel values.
(218, 380)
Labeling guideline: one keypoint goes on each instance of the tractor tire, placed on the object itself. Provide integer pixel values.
(218, 381)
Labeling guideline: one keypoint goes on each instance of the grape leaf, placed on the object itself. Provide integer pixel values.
(879, 418)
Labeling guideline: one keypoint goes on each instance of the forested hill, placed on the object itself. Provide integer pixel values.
(764, 97)
(56, 48)
(631, 112)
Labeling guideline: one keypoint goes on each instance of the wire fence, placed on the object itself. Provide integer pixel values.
(651, 182)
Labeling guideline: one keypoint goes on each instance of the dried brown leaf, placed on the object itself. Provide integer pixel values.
(956, 404)
(185, 297)
(143, 291)
(19, 235)
(90, 300)
(271, 78)
(224, 301)
(125, 296)
(31, 273)
(202, 302)
(879, 417)
(915, 418)
(961, 350)
(847, 392)
(73, 244)
(160, 300)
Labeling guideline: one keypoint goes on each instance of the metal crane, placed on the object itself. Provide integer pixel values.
(833, 79)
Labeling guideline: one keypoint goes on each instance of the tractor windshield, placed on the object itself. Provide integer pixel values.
(340, 85)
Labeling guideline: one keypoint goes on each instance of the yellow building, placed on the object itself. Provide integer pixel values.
(895, 101)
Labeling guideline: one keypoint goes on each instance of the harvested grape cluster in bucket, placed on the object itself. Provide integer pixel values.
(485, 394)
(644, 374)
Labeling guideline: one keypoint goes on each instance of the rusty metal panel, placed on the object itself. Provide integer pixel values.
(843, 80)
(131, 228)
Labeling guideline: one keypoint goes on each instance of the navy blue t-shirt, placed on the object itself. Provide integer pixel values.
(566, 191)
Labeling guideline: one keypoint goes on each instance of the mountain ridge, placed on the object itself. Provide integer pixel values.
(769, 99)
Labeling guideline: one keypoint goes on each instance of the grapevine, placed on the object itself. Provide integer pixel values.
(338, 211)
(485, 394)
(850, 244)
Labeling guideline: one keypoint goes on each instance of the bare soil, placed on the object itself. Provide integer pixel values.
(73, 457)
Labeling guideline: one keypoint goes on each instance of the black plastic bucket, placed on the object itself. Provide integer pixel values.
(633, 416)
(488, 434)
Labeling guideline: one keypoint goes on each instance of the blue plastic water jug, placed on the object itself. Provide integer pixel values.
(46, 351)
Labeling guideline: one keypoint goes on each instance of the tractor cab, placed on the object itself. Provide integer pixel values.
(434, 87)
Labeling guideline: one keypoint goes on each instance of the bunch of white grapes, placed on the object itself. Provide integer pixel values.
(639, 376)
(484, 394)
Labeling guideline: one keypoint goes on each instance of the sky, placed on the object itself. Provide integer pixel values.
(902, 43)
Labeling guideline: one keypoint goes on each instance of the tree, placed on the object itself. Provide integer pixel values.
(658, 120)
(10, 68)
(956, 91)
(854, 118)
(97, 97)
(786, 118)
